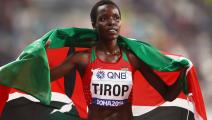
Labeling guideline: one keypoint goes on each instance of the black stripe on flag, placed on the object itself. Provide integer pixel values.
(24, 109)
(166, 113)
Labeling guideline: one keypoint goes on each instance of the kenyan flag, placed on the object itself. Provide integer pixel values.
(30, 74)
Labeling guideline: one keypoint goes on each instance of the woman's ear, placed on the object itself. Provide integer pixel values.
(93, 25)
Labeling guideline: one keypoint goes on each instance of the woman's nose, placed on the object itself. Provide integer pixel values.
(111, 21)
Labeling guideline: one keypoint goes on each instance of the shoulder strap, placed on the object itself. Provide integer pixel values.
(93, 55)
(124, 55)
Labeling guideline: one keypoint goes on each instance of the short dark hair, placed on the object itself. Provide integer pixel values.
(93, 13)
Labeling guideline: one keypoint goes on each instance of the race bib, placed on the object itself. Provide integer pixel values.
(110, 87)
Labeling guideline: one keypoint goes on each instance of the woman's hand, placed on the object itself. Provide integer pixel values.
(48, 42)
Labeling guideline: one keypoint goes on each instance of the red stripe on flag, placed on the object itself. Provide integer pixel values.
(4, 94)
(194, 88)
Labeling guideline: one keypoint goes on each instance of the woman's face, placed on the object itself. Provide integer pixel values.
(108, 22)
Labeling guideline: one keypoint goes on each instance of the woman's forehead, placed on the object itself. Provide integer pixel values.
(107, 8)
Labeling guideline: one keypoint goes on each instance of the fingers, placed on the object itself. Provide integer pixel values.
(48, 42)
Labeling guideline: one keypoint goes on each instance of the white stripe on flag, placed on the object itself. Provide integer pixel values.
(140, 110)
(59, 97)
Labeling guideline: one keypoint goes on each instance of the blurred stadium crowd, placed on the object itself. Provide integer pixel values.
(177, 26)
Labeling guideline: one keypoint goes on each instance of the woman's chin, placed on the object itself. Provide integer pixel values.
(112, 37)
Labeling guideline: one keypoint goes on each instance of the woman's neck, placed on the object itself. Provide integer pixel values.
(108, 46)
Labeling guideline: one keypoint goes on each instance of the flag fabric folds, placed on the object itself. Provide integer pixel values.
(30, 72)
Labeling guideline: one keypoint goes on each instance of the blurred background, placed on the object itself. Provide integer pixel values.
(177, 26)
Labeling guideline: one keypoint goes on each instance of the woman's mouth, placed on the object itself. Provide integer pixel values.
(113, 31)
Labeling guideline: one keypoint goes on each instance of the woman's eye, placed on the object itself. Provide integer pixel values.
(102, 19)
(116, 17)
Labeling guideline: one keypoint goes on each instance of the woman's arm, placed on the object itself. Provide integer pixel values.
(80, 58)
(65, 67)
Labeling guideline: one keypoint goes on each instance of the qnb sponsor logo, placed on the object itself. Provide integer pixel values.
(110, 90)
(111, 75)
(111, 103)
(115, 75)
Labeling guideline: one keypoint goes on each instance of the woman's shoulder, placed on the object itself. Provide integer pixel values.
(82, 56)
(133, 59)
